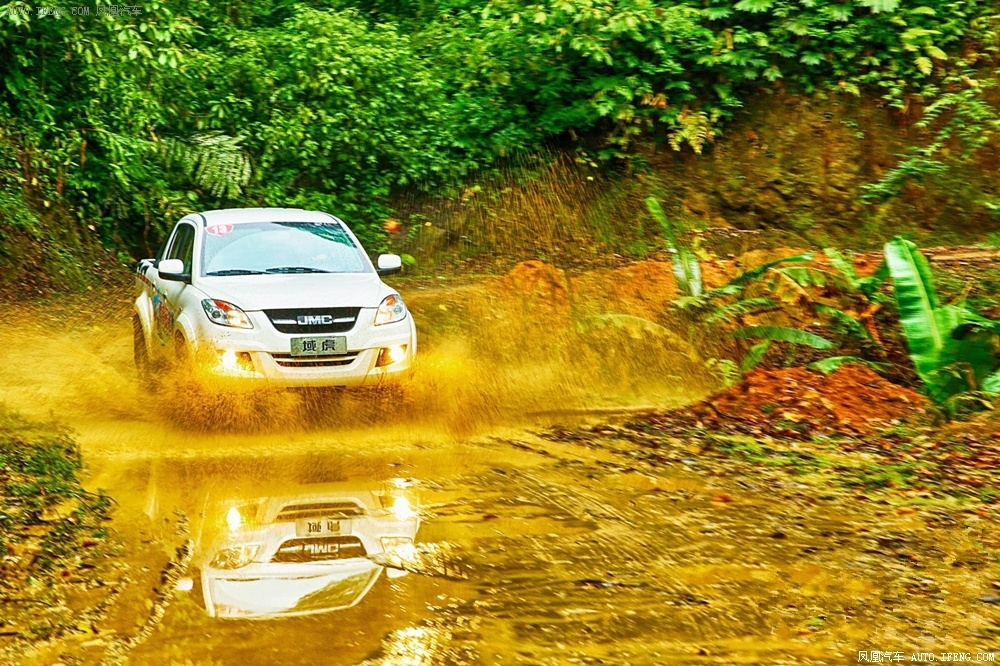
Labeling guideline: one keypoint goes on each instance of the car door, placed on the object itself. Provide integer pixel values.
(166, 294)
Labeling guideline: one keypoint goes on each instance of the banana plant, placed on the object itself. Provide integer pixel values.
(953, 347)
(687, 269)
(769, 334)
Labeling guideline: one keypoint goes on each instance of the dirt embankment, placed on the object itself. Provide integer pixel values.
(853, 399)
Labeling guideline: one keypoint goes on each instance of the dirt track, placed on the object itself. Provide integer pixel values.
(539, 543)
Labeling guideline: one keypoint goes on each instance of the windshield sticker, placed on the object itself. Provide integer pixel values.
(219, 229)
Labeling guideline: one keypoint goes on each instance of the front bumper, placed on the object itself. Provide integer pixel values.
(271, 361)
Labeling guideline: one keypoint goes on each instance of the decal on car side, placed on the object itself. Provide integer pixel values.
(163, 316)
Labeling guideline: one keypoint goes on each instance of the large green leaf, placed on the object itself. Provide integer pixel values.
(782, 334)
(755, 6)
(951, 346)
(805, 276)
(740, 308)
(917, 303)
(967, 357)
(687, 269)
(653, 206)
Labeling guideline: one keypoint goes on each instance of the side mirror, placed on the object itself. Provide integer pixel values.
(389, 264)
(173, 269)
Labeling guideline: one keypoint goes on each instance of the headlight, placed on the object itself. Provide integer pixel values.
(234, 519)
(226, 314)
(391, 310)
(402, 510)
(235, 557)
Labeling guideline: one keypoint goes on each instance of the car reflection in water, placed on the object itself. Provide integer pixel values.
(307, 552)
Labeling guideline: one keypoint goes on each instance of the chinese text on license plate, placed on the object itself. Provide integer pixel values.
(317, 527)
(319, 346)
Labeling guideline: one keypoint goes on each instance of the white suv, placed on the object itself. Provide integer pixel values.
(280, 295)
(316, 551)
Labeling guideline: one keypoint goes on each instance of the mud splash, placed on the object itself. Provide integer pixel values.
(490, 353)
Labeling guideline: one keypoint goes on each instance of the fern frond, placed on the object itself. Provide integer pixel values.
(213, 161)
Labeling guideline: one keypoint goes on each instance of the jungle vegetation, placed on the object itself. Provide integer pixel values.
(113, 126)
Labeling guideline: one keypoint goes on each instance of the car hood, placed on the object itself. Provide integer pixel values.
(311, 290)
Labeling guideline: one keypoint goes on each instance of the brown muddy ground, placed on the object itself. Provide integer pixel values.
(544, 537)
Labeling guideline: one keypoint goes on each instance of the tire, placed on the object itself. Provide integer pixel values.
(182, 355)
(140, 354)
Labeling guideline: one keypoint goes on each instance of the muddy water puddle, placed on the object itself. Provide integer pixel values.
(439, 535)
(523, 551)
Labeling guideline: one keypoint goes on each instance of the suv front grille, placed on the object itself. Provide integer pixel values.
(314, 320)
(337, 510)
(313, 549)
(289, 361)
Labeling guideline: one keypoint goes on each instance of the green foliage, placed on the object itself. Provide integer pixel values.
(961, 118)
(724, 370)
(212, 161)
(687, 268)
(735, 288)
(757, 272)
(844, 322)
(755, 355)
(953, 348)
(832, 363)
(732, 312)
(782, 334)
(116, 126)
(635, 326)
(769, 334)
(38, 468)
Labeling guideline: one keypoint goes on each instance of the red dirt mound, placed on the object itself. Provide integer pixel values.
(539, 286)
(853, 399)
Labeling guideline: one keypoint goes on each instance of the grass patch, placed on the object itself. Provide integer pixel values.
(52, 531)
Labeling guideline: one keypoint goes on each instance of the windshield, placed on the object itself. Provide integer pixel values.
(280, 247)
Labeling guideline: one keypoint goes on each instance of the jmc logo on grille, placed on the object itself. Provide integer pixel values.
(314, 320)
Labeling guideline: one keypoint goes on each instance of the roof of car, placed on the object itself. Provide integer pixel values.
(238, 215)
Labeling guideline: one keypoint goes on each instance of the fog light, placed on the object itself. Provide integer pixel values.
(235, 557)
(234, 360)
(390, 355)
(395, 542)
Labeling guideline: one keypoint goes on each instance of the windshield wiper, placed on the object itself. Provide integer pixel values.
(235, 271)
(295, 269)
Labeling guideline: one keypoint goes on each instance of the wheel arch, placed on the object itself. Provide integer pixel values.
(187, 328)
(143, 309)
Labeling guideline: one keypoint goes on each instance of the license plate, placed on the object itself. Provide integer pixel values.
(308, 527)
(322, 346)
